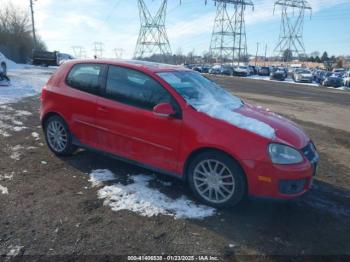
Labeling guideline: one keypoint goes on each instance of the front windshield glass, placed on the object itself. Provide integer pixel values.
(199, 91)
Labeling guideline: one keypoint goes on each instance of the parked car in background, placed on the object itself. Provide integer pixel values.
(304, 76)
(226, 70)
(3, 64)
(215, 70)
(278, 73)
(205, 69)
(339, 71)
(253, 70)
(197, 69)
(317, 75)
(333, 81)
(346, 79)
(264, 71)
(296, 71)
(241, 71)
(323, 75)
(161, 118)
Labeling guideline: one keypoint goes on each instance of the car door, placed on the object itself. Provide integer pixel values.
(80, 100)
(127, 125)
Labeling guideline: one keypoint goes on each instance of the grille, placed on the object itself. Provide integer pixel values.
(310, 152)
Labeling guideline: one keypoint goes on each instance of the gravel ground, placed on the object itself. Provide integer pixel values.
(51, 208)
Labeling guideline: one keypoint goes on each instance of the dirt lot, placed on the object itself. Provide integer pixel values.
(51, 208)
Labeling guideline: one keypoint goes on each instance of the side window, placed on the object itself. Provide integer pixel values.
(135, 88)
(85, 77)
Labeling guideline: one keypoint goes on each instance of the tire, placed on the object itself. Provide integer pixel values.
(231, 182)
(54, 128)
(4, 68)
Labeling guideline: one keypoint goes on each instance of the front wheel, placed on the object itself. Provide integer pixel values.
(58, 136)
(216, 179)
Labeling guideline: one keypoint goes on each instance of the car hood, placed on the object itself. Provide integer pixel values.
(286, 131)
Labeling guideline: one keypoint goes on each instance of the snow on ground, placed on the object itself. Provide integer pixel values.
(140, 198)
(3, 190)
(11, 120)
(36, 136)
(26, 80)
(16, 152)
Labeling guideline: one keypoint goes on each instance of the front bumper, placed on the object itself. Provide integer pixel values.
(282, 181)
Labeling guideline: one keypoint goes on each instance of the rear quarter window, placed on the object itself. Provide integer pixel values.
(85, 77)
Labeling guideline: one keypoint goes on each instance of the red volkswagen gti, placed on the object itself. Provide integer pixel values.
(176, 122)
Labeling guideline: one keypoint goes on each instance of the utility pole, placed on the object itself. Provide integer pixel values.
(257, 51)
(265, 55)
(33, 24)
(292, 24)
(229, 40)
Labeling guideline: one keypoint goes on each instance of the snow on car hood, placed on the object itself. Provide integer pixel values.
(227, 111)
(286, 131)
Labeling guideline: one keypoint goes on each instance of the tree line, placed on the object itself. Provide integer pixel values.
(16, 39)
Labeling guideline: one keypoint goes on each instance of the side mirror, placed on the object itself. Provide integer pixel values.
(164, 110)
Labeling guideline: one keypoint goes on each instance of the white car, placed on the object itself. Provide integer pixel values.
(3, 64)
(346, 79)
(303, 75)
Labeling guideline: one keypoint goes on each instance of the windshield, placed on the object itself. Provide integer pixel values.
(199, 91)
(305, 72)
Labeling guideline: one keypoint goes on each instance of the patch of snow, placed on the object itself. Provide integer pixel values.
(4, 190)
(138, 197)
(35, 135)
(43, 162)
(6, 177)
(25, 81)
(97, 177)
(19, 128)
(14, 251)
(11, 120)
(22, 113)
(16, 152)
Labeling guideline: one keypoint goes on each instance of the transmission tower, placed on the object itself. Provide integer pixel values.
(229, 40)
(153, 38)
(119, 52)
(78, 51)
(292, 27)
(98, 49)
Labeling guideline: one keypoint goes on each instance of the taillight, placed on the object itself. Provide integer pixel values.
(43, 94)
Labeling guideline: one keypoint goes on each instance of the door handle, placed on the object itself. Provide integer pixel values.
(102, 109)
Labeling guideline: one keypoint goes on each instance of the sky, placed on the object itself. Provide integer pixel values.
(66, 23)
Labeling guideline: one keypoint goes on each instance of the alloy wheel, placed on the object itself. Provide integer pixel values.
(57, 136)
(214, 181)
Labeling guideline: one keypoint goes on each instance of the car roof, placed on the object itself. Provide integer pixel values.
(135, 64)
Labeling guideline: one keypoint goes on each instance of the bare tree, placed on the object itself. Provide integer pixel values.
(16, 40)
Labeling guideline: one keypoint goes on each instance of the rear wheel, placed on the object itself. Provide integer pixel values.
(216, 179)
(58, 136)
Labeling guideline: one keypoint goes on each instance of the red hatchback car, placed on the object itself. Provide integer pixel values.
(175, 121)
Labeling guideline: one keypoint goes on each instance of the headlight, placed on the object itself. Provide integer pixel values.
(284, 155)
